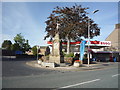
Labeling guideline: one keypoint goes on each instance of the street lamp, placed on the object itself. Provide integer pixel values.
(89, 38)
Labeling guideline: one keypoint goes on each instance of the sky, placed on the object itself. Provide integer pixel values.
(28, 18)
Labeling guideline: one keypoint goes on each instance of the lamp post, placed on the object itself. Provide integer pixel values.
(37, 51)
(89, 38)
(88, 42)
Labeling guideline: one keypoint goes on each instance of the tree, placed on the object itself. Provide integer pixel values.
(7, 44)
(21, 42)
(73, 24)
(19, 39)
(15, 47)
(34, 50)
(26, 46)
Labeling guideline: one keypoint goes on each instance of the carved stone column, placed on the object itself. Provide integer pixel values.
(56, 55)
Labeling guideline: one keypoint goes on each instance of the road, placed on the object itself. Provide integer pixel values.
(18, 67)
(42, 78)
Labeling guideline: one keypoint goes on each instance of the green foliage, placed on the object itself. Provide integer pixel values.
(69, 55)
(63, 53)
(26, 46)
(19, 39)
(7, 44)
(21, 42)
(34, 50)
(15, 47)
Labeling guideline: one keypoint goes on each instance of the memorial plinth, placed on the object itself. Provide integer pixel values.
(56, 55)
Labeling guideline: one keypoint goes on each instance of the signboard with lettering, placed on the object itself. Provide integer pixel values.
(100, 43)
(92, 43)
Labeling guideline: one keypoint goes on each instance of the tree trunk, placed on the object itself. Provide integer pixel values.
(68, 45)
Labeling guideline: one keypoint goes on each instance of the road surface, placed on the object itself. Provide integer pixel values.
(28, 77)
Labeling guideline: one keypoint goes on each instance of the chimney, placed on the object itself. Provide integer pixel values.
(117, 26)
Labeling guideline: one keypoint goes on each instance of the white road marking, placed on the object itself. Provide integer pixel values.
(115, 75)
(80, 83)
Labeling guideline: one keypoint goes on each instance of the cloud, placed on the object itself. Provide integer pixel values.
(5, 37)
(18, 19)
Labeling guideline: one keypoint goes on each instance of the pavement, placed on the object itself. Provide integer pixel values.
(95, 66)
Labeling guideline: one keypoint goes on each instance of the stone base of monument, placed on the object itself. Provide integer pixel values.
(56, 59)
(48, 64)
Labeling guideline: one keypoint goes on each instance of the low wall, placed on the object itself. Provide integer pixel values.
(25, 56)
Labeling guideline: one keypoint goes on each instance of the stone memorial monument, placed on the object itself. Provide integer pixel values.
(56, 55)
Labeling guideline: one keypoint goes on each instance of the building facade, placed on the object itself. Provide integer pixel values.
(114, 37)
(102, 50)
(75, 46)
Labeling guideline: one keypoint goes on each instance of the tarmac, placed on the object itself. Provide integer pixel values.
(83, 67)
